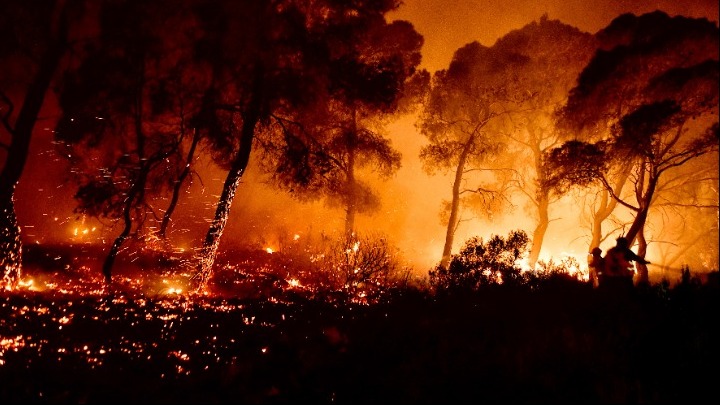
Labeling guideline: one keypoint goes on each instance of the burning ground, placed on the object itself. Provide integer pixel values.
(66, 339)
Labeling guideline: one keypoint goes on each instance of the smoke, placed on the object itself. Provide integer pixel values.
(411, 200)
(447, 25)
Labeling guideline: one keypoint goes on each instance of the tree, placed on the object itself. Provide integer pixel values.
(323, 155)
(461, 120)
(126, 111)
(556, 53)
(273, 56)
(35, 37)
(652, 89)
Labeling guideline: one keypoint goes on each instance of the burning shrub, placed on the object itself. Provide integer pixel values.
(553, 275)
(359, 266)
(333, 269)
(482, 263)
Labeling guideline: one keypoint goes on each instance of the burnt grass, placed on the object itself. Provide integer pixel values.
(558, 342)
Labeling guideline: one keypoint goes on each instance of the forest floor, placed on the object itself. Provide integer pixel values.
(563, 343)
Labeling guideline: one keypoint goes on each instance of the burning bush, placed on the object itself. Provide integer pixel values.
(361, 267)
(358, 269)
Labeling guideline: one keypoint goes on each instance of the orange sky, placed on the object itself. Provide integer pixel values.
(450, 24)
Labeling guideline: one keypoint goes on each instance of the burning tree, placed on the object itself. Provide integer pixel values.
(35, 38)
(652, 90)
(270, 59)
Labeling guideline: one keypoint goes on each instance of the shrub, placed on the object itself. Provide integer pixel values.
(482, 263)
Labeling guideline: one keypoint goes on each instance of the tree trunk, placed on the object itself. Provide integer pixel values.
(21, 134)
(119, 240)
(543, 203)
(351, 208)
(607, 206)
(222, 211)
(455, 205)
(644, 200)
(638, 225)
(10, 246)
(137, 190)
(162, 233)
(643, 277)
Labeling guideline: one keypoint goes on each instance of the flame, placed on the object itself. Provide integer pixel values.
(10, 344)
(80, 230)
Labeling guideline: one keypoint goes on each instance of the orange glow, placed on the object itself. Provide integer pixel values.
(410, 201)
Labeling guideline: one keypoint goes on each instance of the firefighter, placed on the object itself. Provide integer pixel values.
(596, 267)
(618, 263)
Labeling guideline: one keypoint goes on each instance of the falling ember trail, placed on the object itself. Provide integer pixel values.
(10, 247)
(212, 240)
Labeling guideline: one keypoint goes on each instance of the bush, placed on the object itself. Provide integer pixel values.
(361, 267)
(482, 263)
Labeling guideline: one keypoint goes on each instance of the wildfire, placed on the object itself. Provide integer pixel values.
(29, 284)
(81, 230)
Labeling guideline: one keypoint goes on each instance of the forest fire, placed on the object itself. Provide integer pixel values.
(290, 201)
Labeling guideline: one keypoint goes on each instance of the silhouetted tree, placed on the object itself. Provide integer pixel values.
(556, 54)
(652, 89)
(324, 155)
(255, 53)
(126, 112)
(274, 57)
(34, 37)
(461, 120)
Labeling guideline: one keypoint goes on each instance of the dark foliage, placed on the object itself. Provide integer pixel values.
(561, 343)
(575, 163)
(482, 263)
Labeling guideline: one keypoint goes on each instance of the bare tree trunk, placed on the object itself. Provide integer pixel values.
(637, 225)
(137, 189)
(606, 207)
(602, 212)
(135, 195)
(17, 153)
(455, 205)
(222, 211)
(119, 240)
(543, 203)
(644, 196)
(351, 208)
(10, 245)
(643, 277)
(162, 233)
